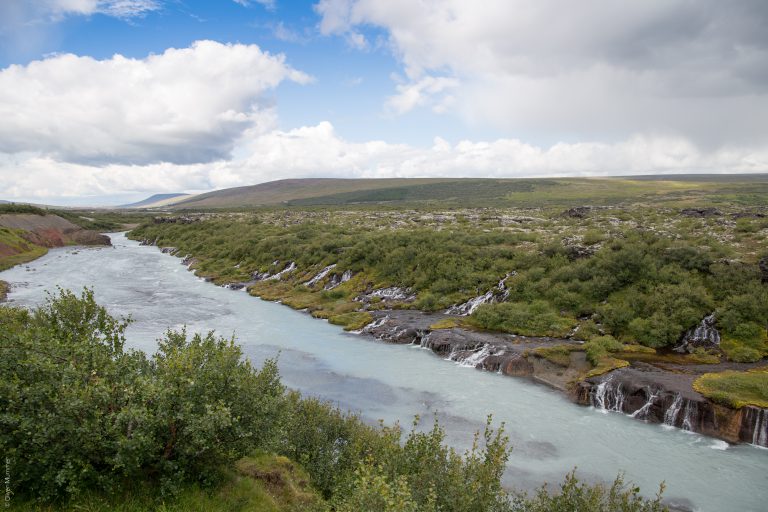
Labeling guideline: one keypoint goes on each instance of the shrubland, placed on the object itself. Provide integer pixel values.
(641, 275)
(87, 424)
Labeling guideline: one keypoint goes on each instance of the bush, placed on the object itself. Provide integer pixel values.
(81, 412)
(576, 496)
(598, 347)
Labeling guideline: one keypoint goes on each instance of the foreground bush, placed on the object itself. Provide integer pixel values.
(81, 412)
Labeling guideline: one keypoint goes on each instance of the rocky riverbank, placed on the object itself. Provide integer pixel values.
(655, 388)
(655, 393)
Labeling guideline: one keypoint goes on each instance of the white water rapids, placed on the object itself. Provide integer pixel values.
(550, 435)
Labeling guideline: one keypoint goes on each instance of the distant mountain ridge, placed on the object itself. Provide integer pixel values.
(156, 201)
(529, 192)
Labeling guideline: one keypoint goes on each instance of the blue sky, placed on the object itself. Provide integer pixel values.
(98, 108)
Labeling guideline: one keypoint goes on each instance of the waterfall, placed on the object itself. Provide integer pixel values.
(499, 293)
(690, 414)
(424, 340)
(373, 325)
(320, 275)
(290, 268)
(703, 335)
(642, 413)
(467, 308)
(760, 432)
(607, 397)
(670, 416)
(475, 358)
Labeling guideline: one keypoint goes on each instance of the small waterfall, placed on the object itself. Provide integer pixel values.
(469, 307)
(703, 335)
(373, 325)
(642, 413)
(320, 275)
(607, 397)
(760, 432)
(690, 415)
(475, 358)
(424, 340)
(338, 280)
(499, 293)
(670, 416)
(290, 268)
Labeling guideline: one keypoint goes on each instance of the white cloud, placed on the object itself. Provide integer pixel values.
(586, 69)
(318, 151)
(182, 106)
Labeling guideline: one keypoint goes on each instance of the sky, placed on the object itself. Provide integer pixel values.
(109, 101)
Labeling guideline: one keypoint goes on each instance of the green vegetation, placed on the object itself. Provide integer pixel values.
(352, 321)
(677, 191)
(21, 208)
(641, 275)
(3, 290)
(735, 389)
(15, 249)
(89, 425)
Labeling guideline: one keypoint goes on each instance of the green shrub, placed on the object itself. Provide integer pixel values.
(599, 347)
(81, 412)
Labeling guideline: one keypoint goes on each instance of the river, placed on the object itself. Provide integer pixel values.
(549, 434)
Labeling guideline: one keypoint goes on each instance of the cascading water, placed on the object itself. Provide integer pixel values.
(642, 413)
(670, 416)
(690, 415)
(289, 268)
(499, 293)
(373, 325)
(760, 432)
(320, 275)
(608, 397)
(474, 359)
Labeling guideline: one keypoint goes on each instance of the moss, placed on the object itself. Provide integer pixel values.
(744, 351)
(735, 389)
(637, 349)
(447, 323)
(607, 364)
(3, 290)
(352, 321)
(558, 354)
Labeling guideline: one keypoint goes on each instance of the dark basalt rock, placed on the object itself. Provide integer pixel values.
(704, 335)
(763, 264)
(182, 219)
(575, 251)
(700, 212)
(578, 212)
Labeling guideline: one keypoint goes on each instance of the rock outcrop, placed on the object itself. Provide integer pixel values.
(704, 335)
(642, 391)
(51, 230)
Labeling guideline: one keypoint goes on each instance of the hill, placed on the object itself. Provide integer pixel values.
(677, 190)
(157, 200)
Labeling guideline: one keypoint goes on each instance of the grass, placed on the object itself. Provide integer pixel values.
(607, 364)
(680, 190)
(735, 389)
(448, 323)
(558, 354)
(264, 483)
(17, 249)
(3, 290)
(352, 321)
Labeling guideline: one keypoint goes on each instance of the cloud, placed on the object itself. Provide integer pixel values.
(585, 70)
(318, 151)
(267, 4)
(183, 106)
